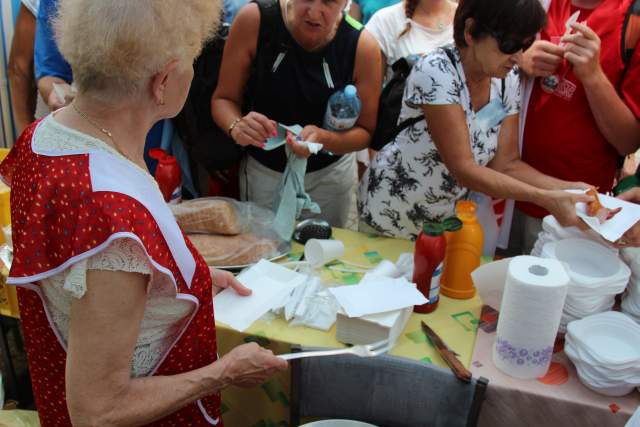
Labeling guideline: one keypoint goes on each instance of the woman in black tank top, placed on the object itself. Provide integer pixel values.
(287, 58)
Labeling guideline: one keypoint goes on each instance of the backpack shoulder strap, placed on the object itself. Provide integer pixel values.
(268, 44)
(449, 52)
(630, 31)
(269, 14)
(630, 36)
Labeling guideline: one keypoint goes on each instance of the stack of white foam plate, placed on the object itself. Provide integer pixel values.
(631, 299)
(597, 276)
(552, 231)
(605, 348)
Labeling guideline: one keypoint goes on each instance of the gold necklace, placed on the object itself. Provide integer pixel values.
(101, 129)
(91, 122)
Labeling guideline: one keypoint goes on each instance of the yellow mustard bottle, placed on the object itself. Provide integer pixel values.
(464, 248)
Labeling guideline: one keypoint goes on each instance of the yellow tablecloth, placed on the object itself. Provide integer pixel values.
(18, 418)
(454, 320)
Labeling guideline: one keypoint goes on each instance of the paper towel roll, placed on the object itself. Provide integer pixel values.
(530, 312)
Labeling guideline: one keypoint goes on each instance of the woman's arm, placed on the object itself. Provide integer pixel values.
(367, 78)
(103, 331)
(49, 64)
(226, 103)
(448, 128)
(20, 69)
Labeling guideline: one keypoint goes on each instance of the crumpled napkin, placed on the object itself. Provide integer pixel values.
(309, 304)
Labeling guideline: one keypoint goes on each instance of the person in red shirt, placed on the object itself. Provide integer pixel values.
(582, 113)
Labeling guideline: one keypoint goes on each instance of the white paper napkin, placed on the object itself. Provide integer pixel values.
(270, 283)
(377, 295)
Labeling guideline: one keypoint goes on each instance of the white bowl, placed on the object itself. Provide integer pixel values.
(612, 337)
(588, 263)
(613, 391)
(579, 353)
(603, 375)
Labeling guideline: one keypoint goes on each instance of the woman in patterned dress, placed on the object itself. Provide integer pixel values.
(469, 95)
(115, 302)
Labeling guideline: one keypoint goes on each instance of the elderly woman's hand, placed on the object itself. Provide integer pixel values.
(249, 365)
(222, 280)
(253, 129)
(562, 205)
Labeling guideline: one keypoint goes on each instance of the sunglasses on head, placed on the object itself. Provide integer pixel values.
(510, 44)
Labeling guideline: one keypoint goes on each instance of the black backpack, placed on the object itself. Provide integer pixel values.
(389, 106)
(387, 126)
(207, 144)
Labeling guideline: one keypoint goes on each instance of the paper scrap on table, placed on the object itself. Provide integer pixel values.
(270, 284)
(615, 227)
(377, 295)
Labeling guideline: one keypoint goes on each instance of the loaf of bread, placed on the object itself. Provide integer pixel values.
(242, 249)
(215, 216)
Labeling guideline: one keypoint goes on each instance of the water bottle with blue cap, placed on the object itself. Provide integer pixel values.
(343, 109)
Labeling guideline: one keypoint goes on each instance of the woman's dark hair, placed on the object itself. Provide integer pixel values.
(518, 19)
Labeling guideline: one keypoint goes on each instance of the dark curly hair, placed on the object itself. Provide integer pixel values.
(514, 18)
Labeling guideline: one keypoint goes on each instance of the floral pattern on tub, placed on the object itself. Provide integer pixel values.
(523, 356)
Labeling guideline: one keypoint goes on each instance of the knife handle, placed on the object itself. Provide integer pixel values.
(456, 366)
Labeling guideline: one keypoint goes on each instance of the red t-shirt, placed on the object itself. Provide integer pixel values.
(561, 137)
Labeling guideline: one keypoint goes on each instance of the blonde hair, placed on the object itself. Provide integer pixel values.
(115, 46)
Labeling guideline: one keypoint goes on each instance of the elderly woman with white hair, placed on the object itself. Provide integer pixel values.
(116, 304)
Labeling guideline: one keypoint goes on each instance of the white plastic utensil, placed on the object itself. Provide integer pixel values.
(369, 350)
(572, 20)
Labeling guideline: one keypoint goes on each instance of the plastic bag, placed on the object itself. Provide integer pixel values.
(6, 230)
(228, 233)
(216, 215)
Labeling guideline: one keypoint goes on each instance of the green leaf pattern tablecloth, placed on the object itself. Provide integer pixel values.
(268, 406)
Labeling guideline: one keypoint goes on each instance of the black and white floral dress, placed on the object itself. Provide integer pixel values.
(407, 183)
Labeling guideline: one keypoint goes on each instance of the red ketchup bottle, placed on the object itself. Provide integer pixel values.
(167, 175)
(428, 259)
